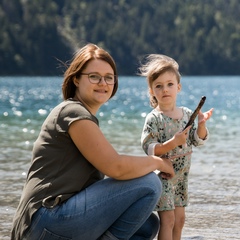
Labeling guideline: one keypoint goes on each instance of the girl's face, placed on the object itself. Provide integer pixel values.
(165, 88)
(93, 95)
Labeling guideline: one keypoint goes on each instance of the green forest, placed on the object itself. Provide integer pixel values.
(202, 36)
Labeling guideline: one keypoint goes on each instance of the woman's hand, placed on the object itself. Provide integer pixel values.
(167, 170)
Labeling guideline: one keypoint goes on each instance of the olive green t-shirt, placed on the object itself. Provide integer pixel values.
(58, 169)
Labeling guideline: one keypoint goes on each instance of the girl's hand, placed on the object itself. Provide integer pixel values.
(180, 138)
(203, 117)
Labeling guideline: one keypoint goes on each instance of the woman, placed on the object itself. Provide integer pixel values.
(66, 195)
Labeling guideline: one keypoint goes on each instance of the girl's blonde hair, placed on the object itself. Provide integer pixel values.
(156, 65)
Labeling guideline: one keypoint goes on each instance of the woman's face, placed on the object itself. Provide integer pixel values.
(93, 95)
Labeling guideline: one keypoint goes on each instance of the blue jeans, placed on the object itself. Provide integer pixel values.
(108, 209)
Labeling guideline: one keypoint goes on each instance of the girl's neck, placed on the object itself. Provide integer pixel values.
(167, 108)
(172, 112)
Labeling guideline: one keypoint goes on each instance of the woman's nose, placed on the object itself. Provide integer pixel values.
(102, 81)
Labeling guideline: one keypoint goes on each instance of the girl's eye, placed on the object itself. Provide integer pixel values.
(159, 86)
(170, 84)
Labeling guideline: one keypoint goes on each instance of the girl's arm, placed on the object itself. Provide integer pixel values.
(177, 140)
(90, 141)
(202, 118)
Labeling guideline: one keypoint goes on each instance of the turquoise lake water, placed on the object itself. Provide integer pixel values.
(214, 185)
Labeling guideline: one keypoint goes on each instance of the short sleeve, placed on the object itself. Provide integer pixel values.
(70, 113)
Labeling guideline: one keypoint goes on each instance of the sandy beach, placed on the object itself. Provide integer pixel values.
(205, 219)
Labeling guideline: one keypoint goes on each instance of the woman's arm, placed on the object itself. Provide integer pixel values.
(91, 142)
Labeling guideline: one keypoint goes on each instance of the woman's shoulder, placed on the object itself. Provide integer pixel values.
(72, 105)
(69, 111)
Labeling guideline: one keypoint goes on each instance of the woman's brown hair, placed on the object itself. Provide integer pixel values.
(79, 63)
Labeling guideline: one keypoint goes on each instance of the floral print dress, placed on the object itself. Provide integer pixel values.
(159, 128)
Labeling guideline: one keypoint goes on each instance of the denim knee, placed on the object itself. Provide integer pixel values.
(154, 183)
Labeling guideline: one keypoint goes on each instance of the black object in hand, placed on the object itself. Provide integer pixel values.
(195, 113)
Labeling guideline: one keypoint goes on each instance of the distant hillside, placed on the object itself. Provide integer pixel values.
(203, 36)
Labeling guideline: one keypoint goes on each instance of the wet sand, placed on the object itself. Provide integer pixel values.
(210, 221)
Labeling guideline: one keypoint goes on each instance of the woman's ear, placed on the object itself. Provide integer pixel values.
(76, 81)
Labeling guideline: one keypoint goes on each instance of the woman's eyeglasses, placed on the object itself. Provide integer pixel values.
(96, 78)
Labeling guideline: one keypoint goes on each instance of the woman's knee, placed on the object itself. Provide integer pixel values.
(153, 182)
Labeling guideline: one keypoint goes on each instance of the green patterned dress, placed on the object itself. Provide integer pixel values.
(159, 128)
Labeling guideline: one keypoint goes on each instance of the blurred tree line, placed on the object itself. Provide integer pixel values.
(203, 36)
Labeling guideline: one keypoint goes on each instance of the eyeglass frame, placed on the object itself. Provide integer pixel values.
(114, 76)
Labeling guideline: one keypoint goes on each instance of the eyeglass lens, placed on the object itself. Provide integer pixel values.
(96, 78)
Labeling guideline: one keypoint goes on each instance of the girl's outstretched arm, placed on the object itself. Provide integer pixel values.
(202, 118)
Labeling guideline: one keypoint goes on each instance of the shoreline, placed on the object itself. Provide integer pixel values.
(203, 222)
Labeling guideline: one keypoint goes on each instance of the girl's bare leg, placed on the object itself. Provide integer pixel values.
(167, 220)
(179, 213)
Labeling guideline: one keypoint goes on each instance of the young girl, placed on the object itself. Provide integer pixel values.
(162, 135)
